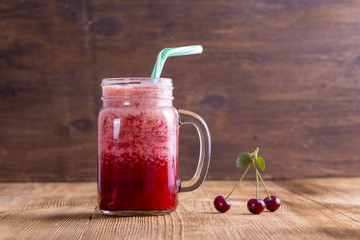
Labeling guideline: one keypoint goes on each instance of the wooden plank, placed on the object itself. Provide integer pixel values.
(68, 211)
(281, 75)
(330, 193)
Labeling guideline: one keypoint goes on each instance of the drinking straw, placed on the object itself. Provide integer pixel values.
(172, 52)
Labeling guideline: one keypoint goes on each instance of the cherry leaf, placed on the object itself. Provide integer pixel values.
(243, 160)
(261, 163)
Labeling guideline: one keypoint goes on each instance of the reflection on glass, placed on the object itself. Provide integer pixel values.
(117, 127)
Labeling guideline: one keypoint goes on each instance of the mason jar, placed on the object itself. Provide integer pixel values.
(138, 142)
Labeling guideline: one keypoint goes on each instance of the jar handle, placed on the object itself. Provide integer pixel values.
(187, 117)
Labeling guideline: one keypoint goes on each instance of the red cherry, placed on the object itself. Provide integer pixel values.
(221, 204)
(272, 204)
(256, 206)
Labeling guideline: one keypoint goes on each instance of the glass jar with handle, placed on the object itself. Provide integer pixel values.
(138, 142)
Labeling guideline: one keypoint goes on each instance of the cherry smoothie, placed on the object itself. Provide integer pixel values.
(137, 147)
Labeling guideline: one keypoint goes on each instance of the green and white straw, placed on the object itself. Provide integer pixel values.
(172, 52)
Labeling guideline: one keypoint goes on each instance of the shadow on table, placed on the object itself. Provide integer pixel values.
(67, 214)
(57, 215)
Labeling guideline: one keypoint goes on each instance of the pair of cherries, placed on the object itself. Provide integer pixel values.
(255, 206)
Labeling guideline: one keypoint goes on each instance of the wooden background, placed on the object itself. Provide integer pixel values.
(282, 75)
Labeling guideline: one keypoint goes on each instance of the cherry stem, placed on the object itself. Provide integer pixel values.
(255, 153)
(239, 181)
(254, 156)
(257, 172)
(257, 182)
(257, 186)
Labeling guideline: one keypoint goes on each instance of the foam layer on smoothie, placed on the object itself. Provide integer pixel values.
(138, 130)
(139, 119)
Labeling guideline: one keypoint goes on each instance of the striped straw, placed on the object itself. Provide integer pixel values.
(172, 52)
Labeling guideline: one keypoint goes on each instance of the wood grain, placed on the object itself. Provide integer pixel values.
(281, 75)
(311, 209)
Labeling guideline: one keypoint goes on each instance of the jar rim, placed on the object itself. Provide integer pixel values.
(135, 80)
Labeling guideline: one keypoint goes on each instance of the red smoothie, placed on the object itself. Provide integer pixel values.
(137, 148)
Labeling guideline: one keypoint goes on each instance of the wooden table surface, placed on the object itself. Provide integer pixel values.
(311, 208)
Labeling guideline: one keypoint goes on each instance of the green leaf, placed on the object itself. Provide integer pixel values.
(243, 160)
(261, 163)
